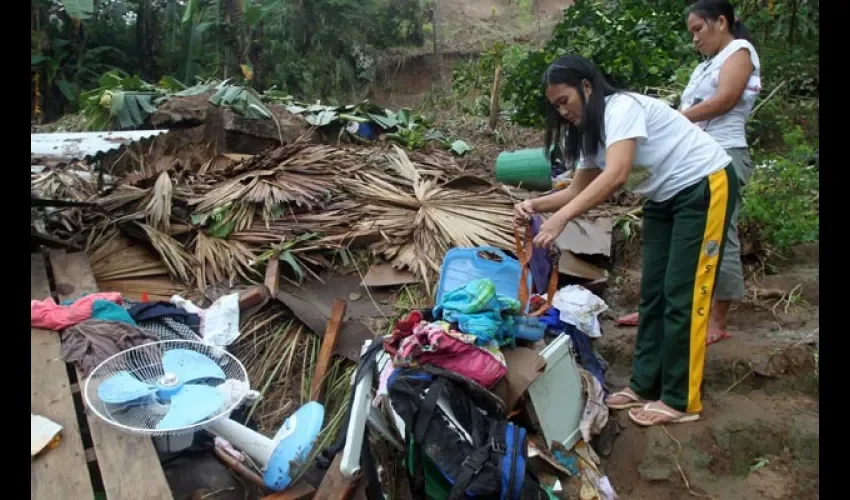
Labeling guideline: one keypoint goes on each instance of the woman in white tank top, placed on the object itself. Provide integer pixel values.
(719, 98)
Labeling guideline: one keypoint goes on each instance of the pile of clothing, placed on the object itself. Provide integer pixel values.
(99, 325)
(465, 334)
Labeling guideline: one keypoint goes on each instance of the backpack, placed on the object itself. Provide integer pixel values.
(492, 466)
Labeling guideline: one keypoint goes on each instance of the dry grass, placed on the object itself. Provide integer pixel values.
(280, 356)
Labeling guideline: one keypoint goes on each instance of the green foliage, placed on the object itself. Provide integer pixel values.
(315, 49)
(787, 36)
(79, 9)
(245, 101)
(636, 44)
(474, 78)
(121, 101)
(781, 206)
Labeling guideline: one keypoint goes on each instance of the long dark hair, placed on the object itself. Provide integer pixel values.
(572, 70)
(713, 9)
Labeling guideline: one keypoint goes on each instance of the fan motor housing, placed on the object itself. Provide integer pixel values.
(168, 385)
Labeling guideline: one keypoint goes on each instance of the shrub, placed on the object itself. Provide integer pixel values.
(637, 44)
(781, 206)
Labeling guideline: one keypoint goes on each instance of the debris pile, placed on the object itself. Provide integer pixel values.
(220, 221)
(185, 230)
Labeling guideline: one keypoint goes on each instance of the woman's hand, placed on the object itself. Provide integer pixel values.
(549, 231)
(522, 211)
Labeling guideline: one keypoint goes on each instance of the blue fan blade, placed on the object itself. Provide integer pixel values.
(191, 365)
(192, 404)
(123, 388)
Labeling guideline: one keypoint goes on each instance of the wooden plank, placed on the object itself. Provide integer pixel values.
(61, 472)
(334, 486)
(298, 491)
(128, 464)
(272, 280)
(327, 349)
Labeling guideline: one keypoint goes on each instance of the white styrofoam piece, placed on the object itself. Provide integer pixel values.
(557, 395)
(360, 408)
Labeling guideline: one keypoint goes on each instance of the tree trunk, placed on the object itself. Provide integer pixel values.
(435, 23)
(494, 98)
(147, 34)
(792, 23)
(233, 10)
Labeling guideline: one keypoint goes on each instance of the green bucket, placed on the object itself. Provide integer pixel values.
(527, 168)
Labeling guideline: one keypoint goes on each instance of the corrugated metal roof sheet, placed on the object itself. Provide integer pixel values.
(63, 147)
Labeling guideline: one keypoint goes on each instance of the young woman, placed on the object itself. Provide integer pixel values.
(634, 141)
(719, 99)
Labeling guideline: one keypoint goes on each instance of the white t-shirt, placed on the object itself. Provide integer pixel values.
(672, 153)
(729, 130)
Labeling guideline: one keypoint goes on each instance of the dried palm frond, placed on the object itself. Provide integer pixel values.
(435, 161)
(124, 198)
(65, 184)
(157, 288)
(222, 260)
(179, 262)
(115, 257)
(158, 209)
(419, 225)
(301, 254)
(298, 174)
(332, 220)
(403, 166)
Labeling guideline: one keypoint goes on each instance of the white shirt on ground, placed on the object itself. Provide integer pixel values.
(672, 153)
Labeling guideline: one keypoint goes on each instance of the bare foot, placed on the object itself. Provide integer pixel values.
(658, 413)
(631, 319)
(716, 335)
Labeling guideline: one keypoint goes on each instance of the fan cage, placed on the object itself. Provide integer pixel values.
(145, 363)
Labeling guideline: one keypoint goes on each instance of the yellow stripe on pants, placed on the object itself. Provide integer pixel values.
(709, 261)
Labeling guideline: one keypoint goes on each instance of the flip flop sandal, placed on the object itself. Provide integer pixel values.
(636, 402)
(674, 419)
(717, 337)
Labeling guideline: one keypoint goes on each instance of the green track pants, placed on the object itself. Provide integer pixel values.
(683, 241)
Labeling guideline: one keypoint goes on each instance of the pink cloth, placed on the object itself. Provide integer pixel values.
(435, 344)
(48, 315)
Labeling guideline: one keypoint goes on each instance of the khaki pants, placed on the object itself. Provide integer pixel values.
(730, 277)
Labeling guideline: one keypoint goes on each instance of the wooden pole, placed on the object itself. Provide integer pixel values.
(494, 98)
(327, 349)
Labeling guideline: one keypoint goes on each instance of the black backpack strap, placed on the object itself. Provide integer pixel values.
(420, 428)
(473, 464)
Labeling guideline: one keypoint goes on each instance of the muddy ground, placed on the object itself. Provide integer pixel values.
(759, 435)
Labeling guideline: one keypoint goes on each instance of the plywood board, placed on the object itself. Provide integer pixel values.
(128, 464)
(61, 472)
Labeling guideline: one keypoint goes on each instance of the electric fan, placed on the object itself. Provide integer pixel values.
(177, 387)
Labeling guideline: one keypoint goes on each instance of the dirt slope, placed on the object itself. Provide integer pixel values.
(759, 435)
